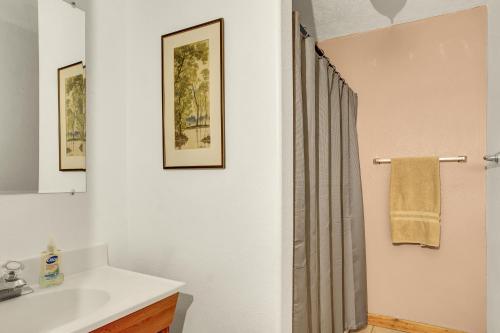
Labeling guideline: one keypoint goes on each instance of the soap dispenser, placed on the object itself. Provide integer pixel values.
(50, 268)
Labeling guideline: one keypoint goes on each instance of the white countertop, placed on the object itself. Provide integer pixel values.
(85, 301)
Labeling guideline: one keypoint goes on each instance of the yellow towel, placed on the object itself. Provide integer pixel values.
(415, 201)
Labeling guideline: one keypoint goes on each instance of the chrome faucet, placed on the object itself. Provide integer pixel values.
(11, 285)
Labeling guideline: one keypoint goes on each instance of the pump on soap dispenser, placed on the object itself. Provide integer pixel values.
(50, 266)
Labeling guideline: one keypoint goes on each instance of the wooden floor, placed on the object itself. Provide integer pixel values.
(374, 329)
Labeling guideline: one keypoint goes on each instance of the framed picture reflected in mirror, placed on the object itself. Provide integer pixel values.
(72, 117)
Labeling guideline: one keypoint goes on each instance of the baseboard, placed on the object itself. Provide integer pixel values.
(406, 325)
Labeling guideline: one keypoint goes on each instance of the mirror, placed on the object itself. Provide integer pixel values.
(43, 127)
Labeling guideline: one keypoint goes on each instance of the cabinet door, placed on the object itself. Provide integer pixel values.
(155, 318)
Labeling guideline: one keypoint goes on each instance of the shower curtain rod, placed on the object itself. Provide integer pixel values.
(319, 51)
(458, 159)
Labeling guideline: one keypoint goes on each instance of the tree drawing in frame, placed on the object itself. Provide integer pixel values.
(193, 97)
(75, 115)
(72, 118)
(192, 100)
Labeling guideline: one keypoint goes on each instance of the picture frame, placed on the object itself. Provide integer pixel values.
(192, 62)
(72, 127)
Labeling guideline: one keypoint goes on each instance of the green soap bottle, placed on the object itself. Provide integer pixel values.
(50, 266)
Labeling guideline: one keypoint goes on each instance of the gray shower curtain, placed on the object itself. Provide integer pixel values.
(329, 250)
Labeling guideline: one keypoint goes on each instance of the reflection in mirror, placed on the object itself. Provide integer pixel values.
(62, 101)
(18, 96)
(42, 89)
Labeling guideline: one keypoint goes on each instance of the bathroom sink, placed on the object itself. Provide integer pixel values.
(86, 301)
(50, 308)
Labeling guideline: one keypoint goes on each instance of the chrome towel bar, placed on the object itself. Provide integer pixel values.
(459, 159)
(492, 158)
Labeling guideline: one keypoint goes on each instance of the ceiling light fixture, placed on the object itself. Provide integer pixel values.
(388, 8)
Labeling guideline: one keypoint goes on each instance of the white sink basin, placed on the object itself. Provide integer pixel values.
(84, 302)
(49, 309)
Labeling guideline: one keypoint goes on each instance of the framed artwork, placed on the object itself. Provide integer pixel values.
(72, 117)
(193, 97)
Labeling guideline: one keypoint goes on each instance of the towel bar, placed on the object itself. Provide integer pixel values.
(458, 159)
(492, 158)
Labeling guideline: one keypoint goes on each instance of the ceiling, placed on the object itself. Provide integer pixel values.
(332, 18)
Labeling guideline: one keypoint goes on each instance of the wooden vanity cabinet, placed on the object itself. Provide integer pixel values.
(155, 318)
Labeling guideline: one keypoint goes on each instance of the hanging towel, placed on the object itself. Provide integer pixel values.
(415, 201)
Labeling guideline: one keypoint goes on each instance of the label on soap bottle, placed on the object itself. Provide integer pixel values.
(52, 267)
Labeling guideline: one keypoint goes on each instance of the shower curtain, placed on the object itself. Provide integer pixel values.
(329, 242)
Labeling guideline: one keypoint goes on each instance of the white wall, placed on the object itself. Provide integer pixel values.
(107, 125)
(493, 174)
(21, 13)
(287, 170)
(227, 233)
(217, 230)
(27, 221)
(18, 96)
(61, 43)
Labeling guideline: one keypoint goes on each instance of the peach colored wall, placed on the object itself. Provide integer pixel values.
(422, 91)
